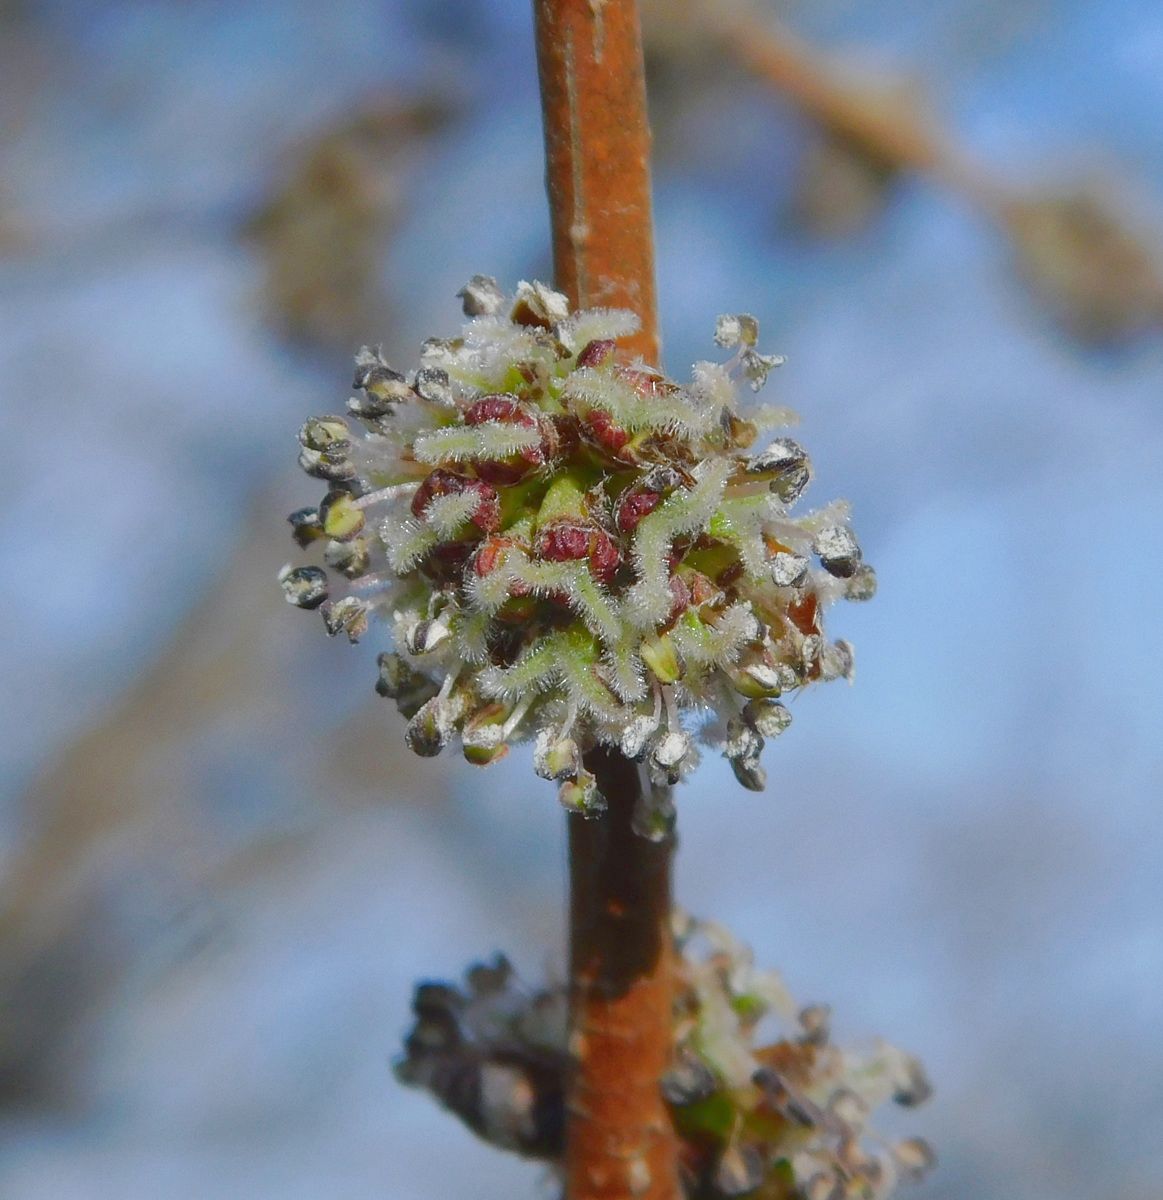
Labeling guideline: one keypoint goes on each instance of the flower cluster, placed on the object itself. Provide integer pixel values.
(571, 547)
(776, 1117)
(790, 1115)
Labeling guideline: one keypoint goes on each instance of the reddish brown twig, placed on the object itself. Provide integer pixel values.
(620, 1143)
(597, 151)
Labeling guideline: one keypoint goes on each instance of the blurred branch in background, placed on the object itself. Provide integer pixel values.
(323, 231)
(1076, 246)
(137, 828)
(1083, 254)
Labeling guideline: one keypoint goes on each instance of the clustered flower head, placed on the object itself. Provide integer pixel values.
(572, 548)
(764, 1103)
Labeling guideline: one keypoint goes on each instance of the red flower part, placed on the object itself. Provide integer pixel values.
(730, 574)
(646, 383)
(680, 596)
(605, 432)
(570, 541)
(563, 541)
(508, 410)
(487, 514)
(605, 556)
(444, 564)
(633, 505)
(499, 407)
(702, 590)
(490, 553)
(595, 353)
(805, 614)
(440, 482)
(563, 437)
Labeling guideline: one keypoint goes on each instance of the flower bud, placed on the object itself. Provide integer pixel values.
(555, 756)
(319, 433)
(349, 616)
(383, 388)
(785, 466)
(350, 559)
(486, 516)
(331, 464)
(633, 505)
(481, 296)
(432, 385)
(914, 1158)
(305, 527)
(861, 584)
(581, 795)
(568, 541)
(600, 428)
(426, 635)
(400, 682)
(428, 731)
(304, 587)
(736, 329)
(341, 518)
(670, 755)
(838, 550)
(594, 353)
(787, 569)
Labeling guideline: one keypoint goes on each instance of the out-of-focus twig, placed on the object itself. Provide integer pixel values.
(1101, 278)
(322, 233)
(1075, 250)
(122, 844)
(872, 120)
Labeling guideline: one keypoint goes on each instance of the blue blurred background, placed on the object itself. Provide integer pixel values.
(220, 872)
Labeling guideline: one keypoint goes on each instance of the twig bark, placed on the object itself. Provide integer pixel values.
(597, 157)
(620, 1143)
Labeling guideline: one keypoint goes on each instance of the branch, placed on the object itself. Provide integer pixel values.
(620, 1141)
(597, 151)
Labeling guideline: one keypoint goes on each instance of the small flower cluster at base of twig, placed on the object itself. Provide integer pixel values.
(572, 548)
(765, 1104)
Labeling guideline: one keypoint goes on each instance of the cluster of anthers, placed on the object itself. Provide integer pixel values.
(764, 1103)
(571, 547)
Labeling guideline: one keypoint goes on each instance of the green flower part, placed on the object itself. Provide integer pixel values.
(572, 548)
